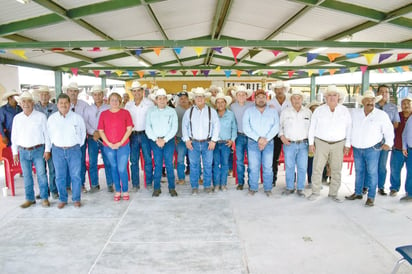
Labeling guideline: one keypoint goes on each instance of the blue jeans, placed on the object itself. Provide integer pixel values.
(200, 151)
(27, 159)
(366, 169)
(383, 159)
(137, 142)
(66, 162)
(296, 156)
(221, 164)
(93, 148)
(118, 162)
(166, 154)
(52, 175)
(397, 162)
(181, 154)
(257, 159)
(241, 149)
(82, 168)
(408, 183)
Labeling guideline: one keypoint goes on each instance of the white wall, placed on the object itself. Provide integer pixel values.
(9, 79)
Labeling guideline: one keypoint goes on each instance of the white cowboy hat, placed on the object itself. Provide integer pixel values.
(26, 95)
(297, 92)
(10, 93)
(407, 98)
(369, 94)
(97, 89)
(218, 89)
(241, 88)
(199, 91)
(280, 84)
(72, 85)
(221, 95)
(36, 92)
(334, 89)
(314, 103)
(137, 85)
(160, 92)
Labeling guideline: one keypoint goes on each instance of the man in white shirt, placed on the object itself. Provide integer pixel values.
(293, 131)
(280, 102)
(67, 133)
(329, 133)
(138, 109)
(372, 131)
(31, 145)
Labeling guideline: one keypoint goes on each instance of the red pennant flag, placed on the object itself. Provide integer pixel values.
(235, 52)
(75, 71)
(96, 73)
(363, 69)
(270, 73)
(194, 72)
(401, 56)
(380, 70)
(290, 73)
(276, 52)
(58, 49)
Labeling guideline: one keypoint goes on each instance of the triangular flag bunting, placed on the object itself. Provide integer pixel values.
(95, 49)
(333, 56)
(321, 72)
(250, 72)
(227, 73)
(310, 72)
(163, 73)
(384, 56)
(301, 73)
(401, 56)
(253, 52)
(343, 70)
(77, 49)
(2, 51)
(108, 73)
(332, 71)
(405, 68)
(19, 52)
(130, 73)
(369, 57)
(177, 50)
(157, 51)
(198, 51)
(292, 55)
(352, 55)
(194, 72)
(65, 69)
(380, 70)
(399, 69)
(140, 73)
(235, 52)
(206, 72)
(183, 72)
(238, 72)
(58, 50)
(363, 69)
(311, 56)
(152, 73)
(353, 69)
(217, 68)
(290, 73)
(138, 51)
(270, 73)
(118, 72)
(173, 71)
(96, 73)
(218, 49)
(74, 71)
(276, 52)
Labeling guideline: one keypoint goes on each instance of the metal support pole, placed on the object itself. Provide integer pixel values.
(58, 82)
(365, 82)
(312, 88)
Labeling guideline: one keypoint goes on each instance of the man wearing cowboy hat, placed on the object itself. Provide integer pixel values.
(227, 136)
(329, 133)
(200, 129)
(372, 132)
(183, 105)
(238, 108)
(407, 152)
(94, 142)
(44, 106)
(398, 160)
(31, 145)
(293, 131)
(161, 128)
(392, 112)
(80, 107)
(138, 109)
(280, 102)
(7, 113)
(261, 125)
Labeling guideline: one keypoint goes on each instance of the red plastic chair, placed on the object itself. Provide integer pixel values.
(10, 169)
(349, 159)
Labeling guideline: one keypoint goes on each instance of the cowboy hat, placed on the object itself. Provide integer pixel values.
(369, 94)
(280, 84)
(241, 88)
(160, 92)
(36, 92)
(97, 89)
(10, 93)
(199, 91)
(334, 89)
(218, 89)
(137, 85)
(220, 95)
(297, 92)
(314, 103)
(73, 86)
(26, 95)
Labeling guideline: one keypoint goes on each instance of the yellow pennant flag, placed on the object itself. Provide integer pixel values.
(118, 72)
(310, 72)
(163, 73)
(218, 68)
(369, 57)
(140, 73)
(19, 52)
(292, 55)
(65, 69)
(353, 69)
(157, 51)
(198, 51)
(238, 72)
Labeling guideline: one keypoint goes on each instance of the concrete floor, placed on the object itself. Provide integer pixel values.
(225, 232)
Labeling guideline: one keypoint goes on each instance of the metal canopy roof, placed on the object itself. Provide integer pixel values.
(127, 39)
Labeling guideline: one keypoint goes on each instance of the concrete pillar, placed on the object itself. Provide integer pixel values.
(365, 82)
(312, 88)
(103, 82)
(58, 82)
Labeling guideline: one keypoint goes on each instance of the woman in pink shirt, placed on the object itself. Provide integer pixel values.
(115, 127)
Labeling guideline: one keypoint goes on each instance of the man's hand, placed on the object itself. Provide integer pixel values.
(229, 143)
(284, 140)
(346, 150)
(46, 156)
(96, 135)
(262, 142)
(386, 147)
(160, 142)
(16, 159)
(312, 149)
(212, 145)
(405, 152)
(189, 145)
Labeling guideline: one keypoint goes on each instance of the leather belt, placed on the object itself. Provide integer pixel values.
(241, 134)
(201, 141)
(299, 141)
(331, 143)
(135, 132)
(222, 141)
(32, 148)
(66, 147)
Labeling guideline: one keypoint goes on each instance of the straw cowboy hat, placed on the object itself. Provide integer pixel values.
(241, 88)
(36, 92)
(73, 86)
(333, 89)
(10, 93)
(199, 91)
(218, 89)
(160, 92)
(25, 95)
(137, 85)
(297, 92)
(220, 95)
(369, 94)
(97, 89)
(281, 84)
(314, 103)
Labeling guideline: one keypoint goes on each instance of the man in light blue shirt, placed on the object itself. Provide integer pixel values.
(261, 125)
(200, 130)
(161, 128)
(407, 152)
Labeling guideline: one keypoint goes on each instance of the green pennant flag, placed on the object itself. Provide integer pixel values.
(253, 52)
(292, 55)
